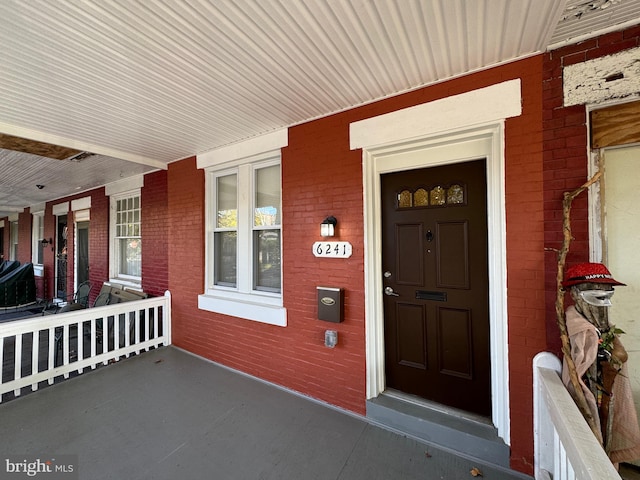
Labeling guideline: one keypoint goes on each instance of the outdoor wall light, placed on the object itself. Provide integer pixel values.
(44, 241)
(328, 226)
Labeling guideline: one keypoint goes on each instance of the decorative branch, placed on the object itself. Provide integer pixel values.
(560, 315)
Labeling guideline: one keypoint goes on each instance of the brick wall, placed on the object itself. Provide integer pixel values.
(155, 238)
(321, 177)
(565, 158)
(24, 236)
(98, 242)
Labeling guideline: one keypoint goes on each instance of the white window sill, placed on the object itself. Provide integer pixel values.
(119, 282)
(247, 308)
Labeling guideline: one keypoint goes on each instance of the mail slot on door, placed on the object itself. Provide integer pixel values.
(330, 304)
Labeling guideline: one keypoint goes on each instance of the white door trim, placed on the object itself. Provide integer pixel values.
(400, 151)
(485, 143)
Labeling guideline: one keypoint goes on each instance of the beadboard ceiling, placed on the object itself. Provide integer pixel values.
(143, 83)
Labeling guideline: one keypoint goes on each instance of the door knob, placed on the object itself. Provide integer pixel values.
(389, 291)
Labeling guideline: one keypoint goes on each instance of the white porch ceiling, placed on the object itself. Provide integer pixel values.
(145, 83)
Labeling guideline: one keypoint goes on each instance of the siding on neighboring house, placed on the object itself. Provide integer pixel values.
(321, 176)
(566, 158)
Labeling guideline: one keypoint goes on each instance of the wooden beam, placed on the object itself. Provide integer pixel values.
(9, 142)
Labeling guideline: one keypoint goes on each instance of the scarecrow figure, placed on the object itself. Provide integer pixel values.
(600, 360)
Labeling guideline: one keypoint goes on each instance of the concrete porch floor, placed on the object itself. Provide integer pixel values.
(167, 414)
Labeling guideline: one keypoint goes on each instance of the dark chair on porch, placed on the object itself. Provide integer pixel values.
(77, 301)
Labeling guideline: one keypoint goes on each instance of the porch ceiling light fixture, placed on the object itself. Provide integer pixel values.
(328, 226)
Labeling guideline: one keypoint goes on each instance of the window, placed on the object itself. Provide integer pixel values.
(126, 258)
(244, 247)
(37, 235)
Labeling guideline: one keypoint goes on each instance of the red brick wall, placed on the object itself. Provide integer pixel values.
(192, 328)
(565, 158)
(98, 242)
(321, 176)
(155, 238)
(24, 236)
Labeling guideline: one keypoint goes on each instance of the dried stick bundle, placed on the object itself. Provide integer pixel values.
(560, 310)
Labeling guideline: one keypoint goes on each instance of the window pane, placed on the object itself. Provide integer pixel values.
(267, 200)
(130, 256)
(227, 201)
(266, 247)
(225, 252)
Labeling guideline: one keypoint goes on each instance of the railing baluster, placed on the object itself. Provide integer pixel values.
(35, 350)
(80, 345)
(156, 322)
(105, 338)
(94, 340)
(147, 327)
(65, 348)
(137, 330)
(17, 366)
(52, 352)
(116, 334)
(127, 332)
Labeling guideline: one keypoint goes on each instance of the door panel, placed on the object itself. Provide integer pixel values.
(452, 265)
(436, 306)
(411, 335)
(409, 270)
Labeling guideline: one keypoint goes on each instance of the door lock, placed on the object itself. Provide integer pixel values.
(389, 291)
(387, 274)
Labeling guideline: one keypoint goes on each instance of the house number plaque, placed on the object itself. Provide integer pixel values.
(332, 249)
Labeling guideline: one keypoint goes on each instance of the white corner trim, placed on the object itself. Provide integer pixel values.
(60, 209)
(1, 223)
(247, 148)
(477, 107)
(80, 204)
(270, 314)
(124, 185)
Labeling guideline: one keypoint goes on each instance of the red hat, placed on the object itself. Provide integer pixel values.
(588, 273)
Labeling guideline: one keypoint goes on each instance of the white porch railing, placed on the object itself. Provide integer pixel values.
(564, 445)
(40, 349)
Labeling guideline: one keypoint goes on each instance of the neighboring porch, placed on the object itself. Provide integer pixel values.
(167, 414)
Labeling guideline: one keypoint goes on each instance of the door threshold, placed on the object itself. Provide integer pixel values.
(462, 432)
(437, 407)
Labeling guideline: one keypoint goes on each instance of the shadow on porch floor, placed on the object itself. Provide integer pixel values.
(167, 414)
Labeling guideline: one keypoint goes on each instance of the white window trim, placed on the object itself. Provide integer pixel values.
(242, 301)
(114, 277)
(36, 238)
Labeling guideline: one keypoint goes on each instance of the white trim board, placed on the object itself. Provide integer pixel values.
(456, 137)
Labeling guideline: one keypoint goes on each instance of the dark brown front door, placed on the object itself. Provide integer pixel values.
(434, 261)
